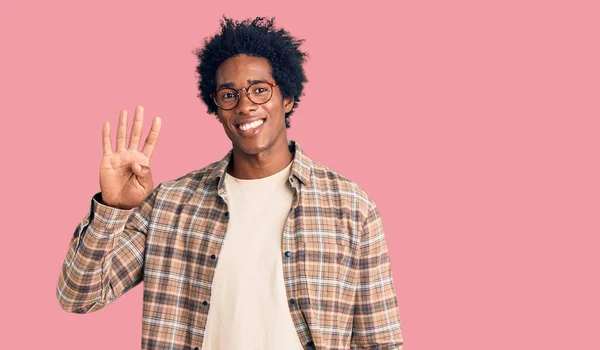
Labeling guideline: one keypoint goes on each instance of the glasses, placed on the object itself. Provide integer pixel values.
(228, 98)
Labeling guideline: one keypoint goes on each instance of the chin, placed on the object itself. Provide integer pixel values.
(250, 147)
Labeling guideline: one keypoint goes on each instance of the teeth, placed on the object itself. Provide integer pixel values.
(252, 125)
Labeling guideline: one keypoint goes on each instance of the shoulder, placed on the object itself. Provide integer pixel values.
(346, 192)
(186, 186)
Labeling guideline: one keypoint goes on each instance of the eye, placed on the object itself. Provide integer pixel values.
(228, 96)
(260, 90)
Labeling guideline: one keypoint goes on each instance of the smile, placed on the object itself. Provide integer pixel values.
(249, 126)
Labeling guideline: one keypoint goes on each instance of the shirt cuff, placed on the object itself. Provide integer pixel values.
(107, 218)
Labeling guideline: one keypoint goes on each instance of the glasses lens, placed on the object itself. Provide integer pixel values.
(226, 98)
(260, 92)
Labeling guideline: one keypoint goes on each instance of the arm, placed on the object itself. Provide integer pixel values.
(376, 320)
(105, 257)
(106, 254)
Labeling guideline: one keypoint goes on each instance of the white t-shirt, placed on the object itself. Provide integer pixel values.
(248, 306)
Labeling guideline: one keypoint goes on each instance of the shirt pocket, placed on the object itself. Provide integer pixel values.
(327, 261)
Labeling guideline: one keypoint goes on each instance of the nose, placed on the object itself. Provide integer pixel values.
(245, 105)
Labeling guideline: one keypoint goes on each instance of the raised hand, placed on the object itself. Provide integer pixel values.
(125, 176)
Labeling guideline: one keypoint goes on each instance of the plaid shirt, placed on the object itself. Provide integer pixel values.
(335, 260)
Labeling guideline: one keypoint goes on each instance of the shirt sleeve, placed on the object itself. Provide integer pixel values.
(376, 318)
(105, 256)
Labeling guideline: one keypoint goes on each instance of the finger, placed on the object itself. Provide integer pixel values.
(136, 130)
(139, 170)
(107, 147)
(122, 130)
(143, 160)
(152, 137)
(136, 167)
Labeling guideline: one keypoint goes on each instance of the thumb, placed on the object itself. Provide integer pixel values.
(137, 169)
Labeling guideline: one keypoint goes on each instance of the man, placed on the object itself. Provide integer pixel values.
(265, 249)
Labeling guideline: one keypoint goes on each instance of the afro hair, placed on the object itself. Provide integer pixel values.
(258, 38)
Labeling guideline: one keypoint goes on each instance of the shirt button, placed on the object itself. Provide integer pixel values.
(213, 257)
(196, 348)
(205, 303)
(310, 344)
(226, 214)
(288, 253)
(292, 301)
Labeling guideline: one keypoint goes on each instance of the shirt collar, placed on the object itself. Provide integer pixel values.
(301, 166)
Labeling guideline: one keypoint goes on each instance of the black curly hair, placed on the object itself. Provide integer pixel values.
(259, 38)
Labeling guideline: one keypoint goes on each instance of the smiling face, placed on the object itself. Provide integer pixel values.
(242, 124)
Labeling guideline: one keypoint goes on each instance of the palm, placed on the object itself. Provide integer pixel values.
(125, 177)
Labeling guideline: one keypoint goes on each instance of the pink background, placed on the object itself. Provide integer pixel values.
(473, 124)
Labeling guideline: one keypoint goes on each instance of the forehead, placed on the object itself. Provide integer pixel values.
(241, 68)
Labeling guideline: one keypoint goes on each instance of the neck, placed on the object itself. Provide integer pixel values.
(256, 166)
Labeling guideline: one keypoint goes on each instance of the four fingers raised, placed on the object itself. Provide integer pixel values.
(136, 133)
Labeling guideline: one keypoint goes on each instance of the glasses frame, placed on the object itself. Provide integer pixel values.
(239, 95)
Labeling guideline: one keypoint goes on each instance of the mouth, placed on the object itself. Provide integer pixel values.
(250, 128)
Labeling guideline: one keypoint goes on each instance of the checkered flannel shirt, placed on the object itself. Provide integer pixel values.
(336, 266)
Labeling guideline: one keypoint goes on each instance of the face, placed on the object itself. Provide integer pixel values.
(239, 72)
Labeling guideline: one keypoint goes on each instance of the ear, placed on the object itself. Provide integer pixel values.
(288, 104)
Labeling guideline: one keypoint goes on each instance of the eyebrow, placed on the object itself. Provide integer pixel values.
(232, 85)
